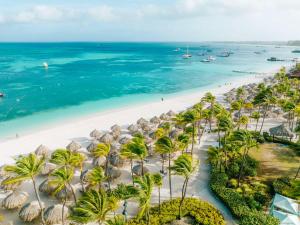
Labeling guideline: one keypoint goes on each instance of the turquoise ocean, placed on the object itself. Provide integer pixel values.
(86, 78)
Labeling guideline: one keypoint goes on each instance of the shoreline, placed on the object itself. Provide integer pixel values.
(59, 135)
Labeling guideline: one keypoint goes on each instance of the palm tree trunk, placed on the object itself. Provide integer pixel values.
(242, 167)
(63, 209)
(106, 165)
(219, 138)
(162, 165)
(159, 200)
(73, 192)
(183, 193)
(39, 200)
(142, 164)
(262, 124)
(170, 181)
(193, 138)
(131, 169)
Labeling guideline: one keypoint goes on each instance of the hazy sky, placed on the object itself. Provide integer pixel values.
(149, 20)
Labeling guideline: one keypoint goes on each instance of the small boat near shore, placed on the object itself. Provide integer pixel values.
(296, 51)
(224, 54)
(1, 95)
(208, 59)
(187, 55)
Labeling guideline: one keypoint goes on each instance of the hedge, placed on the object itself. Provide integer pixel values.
(237, 203)
(202, 212)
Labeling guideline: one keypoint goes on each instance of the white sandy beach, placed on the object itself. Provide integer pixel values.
(59, 135)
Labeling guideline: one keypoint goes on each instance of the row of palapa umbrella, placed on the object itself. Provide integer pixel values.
(53, 214)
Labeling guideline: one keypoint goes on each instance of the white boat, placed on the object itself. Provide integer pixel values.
(187, 55)
(176, 50)
(45, 65)
(209, 59)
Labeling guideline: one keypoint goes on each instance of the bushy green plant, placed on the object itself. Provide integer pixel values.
(287, 187)
(202, 212)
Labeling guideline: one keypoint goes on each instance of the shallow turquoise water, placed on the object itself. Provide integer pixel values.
(84, 78)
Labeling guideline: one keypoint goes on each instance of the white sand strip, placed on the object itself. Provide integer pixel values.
(61, 134)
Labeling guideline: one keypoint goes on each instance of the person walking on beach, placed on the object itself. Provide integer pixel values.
(162, 99)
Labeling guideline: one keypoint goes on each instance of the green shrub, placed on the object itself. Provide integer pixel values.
(258, 218)
(258, 137)
(202, 212)
(287, 187)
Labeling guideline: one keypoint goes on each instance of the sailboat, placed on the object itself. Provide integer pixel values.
(45, 65)
(187, 55)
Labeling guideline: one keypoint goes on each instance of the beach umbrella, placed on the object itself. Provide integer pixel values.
(146, 128)
(115, 159)
(142, 121)
(14, 200)
(3, 172)
(107, 138)
(42, 150)
(10, 187)
(95, 134)
(116, 128)
(137, 170)
(152, 135)
(48, 168)
(155, 120)
(92, 145)
(171, 113)
(30, 211)
(124, 140)
(99, 161)
(175, 133)
(163, 116)
(73, 146)
(133, 128)
(46, 187)
(65, 193)
(113, 173)
(281, 130)
(53, 214)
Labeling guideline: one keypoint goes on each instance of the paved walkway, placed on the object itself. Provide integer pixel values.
(202, 177)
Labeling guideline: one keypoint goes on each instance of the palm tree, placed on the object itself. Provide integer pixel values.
(183, 166)
(135, 149)
(117, 220)
(102, 150)
(245, 141)
(61, 179)
(209, 98)
(165, 145)
(256, 116)
(95, 177)
(145, 184)
(125, 192)
(244, 120)
(158, 182)
(187, 118)
(27, 168)
(183, 141)
(215, 156)
(92, 206)
(199, 109)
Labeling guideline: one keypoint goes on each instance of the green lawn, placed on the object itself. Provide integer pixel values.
(276, 160)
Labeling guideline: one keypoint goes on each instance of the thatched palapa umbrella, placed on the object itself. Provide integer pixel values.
(113, 173)
(14, 200)
(46, 187)
(92, 145)
(8, 187)
(107, 138)
(142, 121)
(163, 116)
(48, 168)
(95, 134)
(137, 170)
(116, 128)
(100, 161)
(73, 146)
(65, 193)
(133, 128)
(155, 120)
(175, 133)
(53, 214)
(171, 113)
(124, 140)
(281, 131)
(30, 211)
(42, 150)
(115, 159)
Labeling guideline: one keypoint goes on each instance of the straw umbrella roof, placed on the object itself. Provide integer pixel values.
(142, 121)
(171, 113)
(133, 128)
(42, 150)
(146, 128)
(115, 159)
(53, 214)
(174, 133)
(164, 116)
(12, 186)
(73, 146)
(48, 168)
(95, 134)
(46, 187)
(14, 200)
(281, 130)
(113, 173)
(107, 138)
(155, 120)
(99, 161)
(3, 172)
(116, 128)
(65, 193)
(92, 145)
(137, 170)
(30, 211)
(124, 140)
